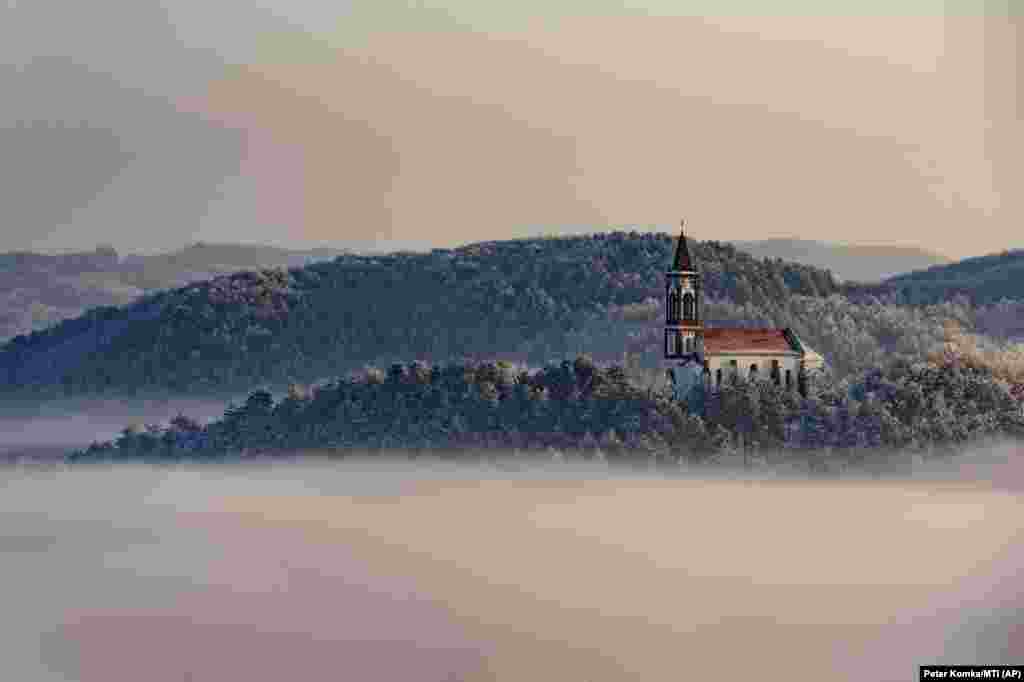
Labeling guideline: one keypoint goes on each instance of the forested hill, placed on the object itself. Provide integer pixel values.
(38, 290)
(982, 280)
(276, 327)
(939, 407)
(851, 262)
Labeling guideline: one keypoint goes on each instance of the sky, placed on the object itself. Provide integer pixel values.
(390, 124)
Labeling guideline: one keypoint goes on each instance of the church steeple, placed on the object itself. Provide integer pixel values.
(682, 261)
(684, 325)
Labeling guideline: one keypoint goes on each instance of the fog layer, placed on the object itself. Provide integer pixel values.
(378, 570)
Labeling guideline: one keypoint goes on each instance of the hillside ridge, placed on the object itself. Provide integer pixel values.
(322, 319)
(850, 262)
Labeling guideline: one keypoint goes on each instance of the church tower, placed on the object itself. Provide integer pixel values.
(684, 318)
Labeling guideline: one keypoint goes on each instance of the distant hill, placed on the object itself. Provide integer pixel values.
(275, 327)
(981, 280)
(205, 256)
(38, 290)
(849, 262)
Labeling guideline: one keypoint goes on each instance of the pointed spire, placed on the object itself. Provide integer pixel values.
(682, 260)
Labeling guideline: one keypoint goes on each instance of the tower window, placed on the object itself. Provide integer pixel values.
(673, 305)
(688, 306)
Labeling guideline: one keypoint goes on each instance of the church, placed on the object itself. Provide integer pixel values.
(699, 359)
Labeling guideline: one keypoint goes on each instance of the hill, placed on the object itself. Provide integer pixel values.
(204, 260)
(984, 279)
(597, 412)
(38, 290)
(277, 327)
(849, 262)
(992, 285)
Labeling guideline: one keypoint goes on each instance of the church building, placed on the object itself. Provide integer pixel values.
(700, 359)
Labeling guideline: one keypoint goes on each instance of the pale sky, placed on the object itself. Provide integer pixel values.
(395, 124)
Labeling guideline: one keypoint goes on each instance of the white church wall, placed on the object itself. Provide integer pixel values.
(763, 362)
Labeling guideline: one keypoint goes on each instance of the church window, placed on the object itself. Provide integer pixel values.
(753, 371)
(789, 379)
(688, 306)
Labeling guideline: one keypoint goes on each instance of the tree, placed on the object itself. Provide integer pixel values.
(374, 375)
(419, 372)
(186, 424)
(298, 392)
(611, 443)
(259, 403)
(744, 292)
(488, 393)
(694, 441)
(584, 370)
(772, 412)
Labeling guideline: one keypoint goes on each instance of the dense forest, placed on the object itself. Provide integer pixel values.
(577, 323)
(852, 337)
(38, 290)
(957, 396)
(981, 280)
(526, 298)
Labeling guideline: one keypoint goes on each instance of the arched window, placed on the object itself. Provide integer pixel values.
(753, 371)
(789, 379)
(687, 306)
(679, 343)
(776, 376)
(718, 377)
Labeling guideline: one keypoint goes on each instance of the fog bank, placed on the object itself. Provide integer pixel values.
(390, 570)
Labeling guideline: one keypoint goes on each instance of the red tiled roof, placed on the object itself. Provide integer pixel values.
(749, 340)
